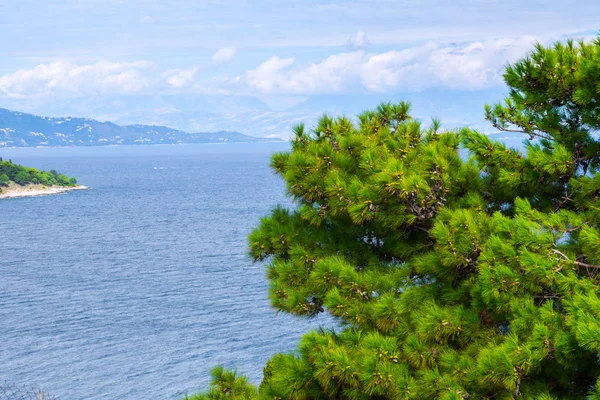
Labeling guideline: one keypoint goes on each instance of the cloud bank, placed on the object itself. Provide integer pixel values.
(473, 66)
(469, 66)
(67, 78)
(181, 78)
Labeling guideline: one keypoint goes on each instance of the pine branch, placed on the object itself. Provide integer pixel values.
(420, 228)
(530, 133)
(545, 297)
(579, 263)
(517, 392)
(569, 230)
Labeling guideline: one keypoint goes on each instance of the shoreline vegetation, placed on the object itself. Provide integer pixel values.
(19, 181)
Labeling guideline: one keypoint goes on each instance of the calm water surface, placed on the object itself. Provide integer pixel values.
(135, 289)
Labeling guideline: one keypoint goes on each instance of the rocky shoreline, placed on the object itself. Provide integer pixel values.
(16, 191)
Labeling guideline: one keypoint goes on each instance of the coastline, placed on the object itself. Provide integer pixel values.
(274, 140)
(16, 191)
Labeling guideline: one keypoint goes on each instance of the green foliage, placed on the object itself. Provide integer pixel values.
(21, 175)
(554, 97)
(226, 385)
(4, 180)
(451, 278)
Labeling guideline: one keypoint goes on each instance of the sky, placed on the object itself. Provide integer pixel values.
(57, 52)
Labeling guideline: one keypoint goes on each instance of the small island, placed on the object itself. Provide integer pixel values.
(19, 181)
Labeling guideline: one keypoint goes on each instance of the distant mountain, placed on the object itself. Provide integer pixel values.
(252, 116)
(26, 130)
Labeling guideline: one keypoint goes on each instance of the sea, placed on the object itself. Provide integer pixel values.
(138, 287)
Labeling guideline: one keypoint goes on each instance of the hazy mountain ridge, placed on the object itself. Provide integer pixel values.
(252, 116)
(19, 129)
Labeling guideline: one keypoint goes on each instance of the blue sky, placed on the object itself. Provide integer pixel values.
(278, 51)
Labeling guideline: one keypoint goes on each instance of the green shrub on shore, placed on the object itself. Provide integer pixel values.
(21, 175)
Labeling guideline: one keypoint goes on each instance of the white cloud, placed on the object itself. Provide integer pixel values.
(181, 78)
(146, 19)
(224, 55)
(267, 77)
(359, 41)
(470, 66)
(474, 66)
(63, 77)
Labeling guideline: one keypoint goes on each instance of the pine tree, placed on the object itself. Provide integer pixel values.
(452, 276)
(227, 385)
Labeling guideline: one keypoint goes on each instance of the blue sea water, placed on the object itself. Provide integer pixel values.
(136, 288)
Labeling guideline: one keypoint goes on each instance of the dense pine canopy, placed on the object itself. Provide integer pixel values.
(454, 274)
